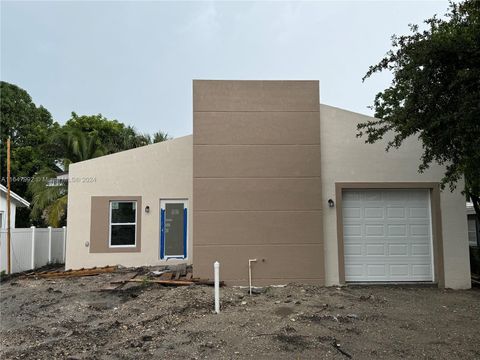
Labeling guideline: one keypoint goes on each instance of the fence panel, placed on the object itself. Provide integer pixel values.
(57, 246)
(49, 246)
(41, 247)
(21, 244)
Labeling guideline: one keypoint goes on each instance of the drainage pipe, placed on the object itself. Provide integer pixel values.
(250, 273)
(216, 270)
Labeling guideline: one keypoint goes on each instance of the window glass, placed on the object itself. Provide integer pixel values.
(472, 231)
(123, 212)
(122, 235)
(123, 225)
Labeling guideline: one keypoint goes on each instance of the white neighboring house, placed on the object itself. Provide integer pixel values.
(473, 226)
(15, 201)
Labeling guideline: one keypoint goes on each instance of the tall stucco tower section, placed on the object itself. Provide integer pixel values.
(256, 181)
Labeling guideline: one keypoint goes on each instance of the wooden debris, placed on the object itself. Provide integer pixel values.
(74, 273)
(118, 282)
(166, 276)
(155, 281)
(206, 282)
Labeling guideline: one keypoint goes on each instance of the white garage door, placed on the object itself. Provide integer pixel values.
(387, 235)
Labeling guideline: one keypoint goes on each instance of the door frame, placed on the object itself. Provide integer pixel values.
(436, 221)
(162, 254)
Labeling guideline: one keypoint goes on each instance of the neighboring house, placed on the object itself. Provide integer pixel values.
(60, 179)
(273, 175)
(15, 201)
(473, 226)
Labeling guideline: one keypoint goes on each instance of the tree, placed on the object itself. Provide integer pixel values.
(435, 95)
(112, 135)
(49, 195)
(160, 136)
(30, 128)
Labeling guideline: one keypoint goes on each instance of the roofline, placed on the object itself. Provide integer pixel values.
(15, 196)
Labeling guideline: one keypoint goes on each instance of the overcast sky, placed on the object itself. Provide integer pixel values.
(135, 61)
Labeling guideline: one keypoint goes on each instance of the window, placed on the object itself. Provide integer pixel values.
(472, 230)
(1, 219)
(123, 223)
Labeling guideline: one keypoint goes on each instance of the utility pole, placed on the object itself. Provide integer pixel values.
(9, 259)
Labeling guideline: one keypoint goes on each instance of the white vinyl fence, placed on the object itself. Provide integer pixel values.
(33, 247)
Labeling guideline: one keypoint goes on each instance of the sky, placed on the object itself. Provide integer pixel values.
(135, 61)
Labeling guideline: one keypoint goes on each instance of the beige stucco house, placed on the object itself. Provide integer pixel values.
(273, 175)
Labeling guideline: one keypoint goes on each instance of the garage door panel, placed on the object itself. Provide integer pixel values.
(373, 213)
(376, 270)
(399, 270)
(374, 230)
(418, 213)
(355, 270)
(371, 195)
(420, 230)
(398, 249)
(375, 249)
(395, 213)
(387, 235)
(352, 230)
(353, 249)
(421, 270)
(420, 250)
(397, 230)
(352, 213)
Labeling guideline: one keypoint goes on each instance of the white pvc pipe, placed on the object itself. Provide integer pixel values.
(49, 244)
(33, 247)
(250, 273)
(216, 270)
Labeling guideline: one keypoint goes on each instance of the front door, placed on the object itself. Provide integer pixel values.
(173, 229)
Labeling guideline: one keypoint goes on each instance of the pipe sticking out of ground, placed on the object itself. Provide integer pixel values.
(216, 271)
(250, 273)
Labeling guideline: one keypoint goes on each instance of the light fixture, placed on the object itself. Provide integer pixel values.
(147, 209)
(331, 203)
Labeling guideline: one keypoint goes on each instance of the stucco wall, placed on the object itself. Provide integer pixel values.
(154, 172)
(345, 158)
(257, 181)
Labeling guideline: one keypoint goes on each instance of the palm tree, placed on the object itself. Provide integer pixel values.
(160, 136)
(50, 194)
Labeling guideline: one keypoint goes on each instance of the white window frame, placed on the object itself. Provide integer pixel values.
(2, 223)
(110, 224)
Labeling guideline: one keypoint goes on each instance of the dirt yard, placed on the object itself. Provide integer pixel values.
(71, 319)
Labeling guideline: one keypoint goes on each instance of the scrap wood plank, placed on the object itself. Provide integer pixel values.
(161, 282)
(166, 276)
(118, 282)
(208, 282)
(74, 273)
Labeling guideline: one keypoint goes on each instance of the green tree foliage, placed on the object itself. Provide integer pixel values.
(160, 136)
(111, 135)
(30, 128)
(435, 95)
(49, 195)
(49, 198)
(42, 149)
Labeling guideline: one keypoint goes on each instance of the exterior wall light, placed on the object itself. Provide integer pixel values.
(331, 203)
(147, 209)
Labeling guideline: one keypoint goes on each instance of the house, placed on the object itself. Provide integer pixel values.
(473, 226)
(15, 201)
(270, 175)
